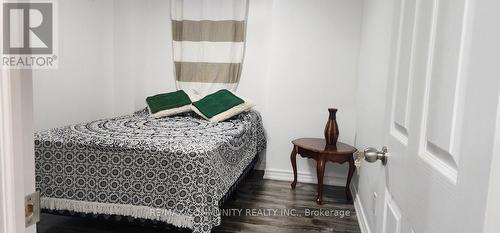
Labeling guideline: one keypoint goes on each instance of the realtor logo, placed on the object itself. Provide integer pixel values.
(29, 35)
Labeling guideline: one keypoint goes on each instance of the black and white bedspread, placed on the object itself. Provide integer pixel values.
(171, 169)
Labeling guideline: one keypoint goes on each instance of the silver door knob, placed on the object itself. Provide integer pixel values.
(372, 155)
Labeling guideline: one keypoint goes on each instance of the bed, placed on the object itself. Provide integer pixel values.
(174, 170)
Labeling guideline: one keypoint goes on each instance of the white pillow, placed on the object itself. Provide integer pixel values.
(244, 107)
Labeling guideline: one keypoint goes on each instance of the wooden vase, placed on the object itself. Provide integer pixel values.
(331, 128)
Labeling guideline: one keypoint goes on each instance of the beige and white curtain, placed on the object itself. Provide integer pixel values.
(208, 43)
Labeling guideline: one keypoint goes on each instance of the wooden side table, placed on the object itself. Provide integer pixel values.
(315, 148)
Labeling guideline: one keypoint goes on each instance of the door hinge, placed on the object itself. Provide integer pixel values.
(32, 209)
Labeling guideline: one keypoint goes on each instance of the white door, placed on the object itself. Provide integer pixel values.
(441, 114)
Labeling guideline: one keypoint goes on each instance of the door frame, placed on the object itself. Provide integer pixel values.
(17, 168)
(8, 189)
(491, 223)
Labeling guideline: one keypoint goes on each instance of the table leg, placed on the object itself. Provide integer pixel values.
(321, 172)
(293, 158)
(349, 177)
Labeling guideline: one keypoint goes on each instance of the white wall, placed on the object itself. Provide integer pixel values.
(313, 66)
(255, 74)
(142, 52)
(81, 88)
(301, 58)
(371, 97)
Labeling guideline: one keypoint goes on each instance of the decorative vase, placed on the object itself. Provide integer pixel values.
(331, 128)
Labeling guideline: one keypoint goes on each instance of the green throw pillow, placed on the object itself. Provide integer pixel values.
(168, 102)
(217, 102)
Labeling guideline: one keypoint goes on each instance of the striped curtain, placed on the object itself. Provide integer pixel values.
(208, 44)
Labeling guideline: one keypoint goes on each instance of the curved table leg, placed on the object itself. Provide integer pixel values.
(321, 172)
(349, 177)
(293, 158)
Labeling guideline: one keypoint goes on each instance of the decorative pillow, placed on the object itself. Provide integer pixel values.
(221, 105)
(168, 104)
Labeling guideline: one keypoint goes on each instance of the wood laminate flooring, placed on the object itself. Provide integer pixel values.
(259, 206)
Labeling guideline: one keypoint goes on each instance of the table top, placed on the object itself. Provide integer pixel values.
(319, 145)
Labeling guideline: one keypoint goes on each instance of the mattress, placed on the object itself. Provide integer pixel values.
(173, 169)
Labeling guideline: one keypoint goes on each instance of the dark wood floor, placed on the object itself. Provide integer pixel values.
(262, 197)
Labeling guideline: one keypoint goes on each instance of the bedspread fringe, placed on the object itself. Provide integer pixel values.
(143, 212)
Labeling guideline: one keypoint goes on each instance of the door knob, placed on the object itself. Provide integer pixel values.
(371, 155)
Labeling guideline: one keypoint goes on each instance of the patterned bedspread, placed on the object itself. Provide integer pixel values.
(170, 169)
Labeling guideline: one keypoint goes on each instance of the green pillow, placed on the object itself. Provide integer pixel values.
(168, 101)
(217, 102)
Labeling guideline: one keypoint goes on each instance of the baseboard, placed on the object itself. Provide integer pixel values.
(360, 213)
(303, 177)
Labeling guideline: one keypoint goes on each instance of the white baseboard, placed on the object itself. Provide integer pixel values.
(303, 177)
(360, 213)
